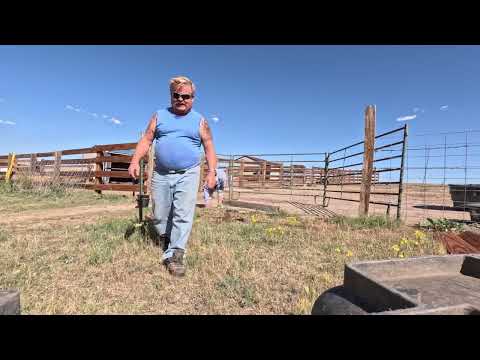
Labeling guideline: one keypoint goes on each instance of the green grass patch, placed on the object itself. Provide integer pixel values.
(365, 222)
(12, 200)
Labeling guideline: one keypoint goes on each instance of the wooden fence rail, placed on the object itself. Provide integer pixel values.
(102, 166)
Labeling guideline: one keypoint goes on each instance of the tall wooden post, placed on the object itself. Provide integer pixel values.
(369, 146)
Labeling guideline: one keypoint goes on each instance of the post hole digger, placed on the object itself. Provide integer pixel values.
(142, 200)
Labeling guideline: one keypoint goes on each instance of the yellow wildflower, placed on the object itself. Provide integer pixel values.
(292, 220)
(349, 253)
(396, 248)
(419, 235)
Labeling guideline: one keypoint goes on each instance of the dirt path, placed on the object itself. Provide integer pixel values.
(71, 215)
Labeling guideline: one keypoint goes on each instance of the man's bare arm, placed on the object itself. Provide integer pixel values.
(207, 140)
(147, 140)
(142, 147)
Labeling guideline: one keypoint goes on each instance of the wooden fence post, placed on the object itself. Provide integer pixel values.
(33, 164)
(57, 164)
(368, 155)
(242, 165)
(264, 173)
(98, 167)
(281, 174)
(230, 178)
(12, 162)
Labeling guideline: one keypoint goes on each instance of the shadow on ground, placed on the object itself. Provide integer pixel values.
(148, 233)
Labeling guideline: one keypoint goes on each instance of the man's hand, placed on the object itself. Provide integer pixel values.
(134, 170)
(210, 180)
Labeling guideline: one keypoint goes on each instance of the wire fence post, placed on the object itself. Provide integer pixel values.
(291, 177)
(325, 179)
(402, 163)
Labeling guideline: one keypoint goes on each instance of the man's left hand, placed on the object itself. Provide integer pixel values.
(210, 180)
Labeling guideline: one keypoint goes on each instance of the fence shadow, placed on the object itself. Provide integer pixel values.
(440, 207)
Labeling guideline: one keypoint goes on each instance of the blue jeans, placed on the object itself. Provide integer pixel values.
(174, 197)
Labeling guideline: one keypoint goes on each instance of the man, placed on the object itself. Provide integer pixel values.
(221, 178)
(179, 132)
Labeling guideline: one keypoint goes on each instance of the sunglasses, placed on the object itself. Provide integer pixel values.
(182, 96)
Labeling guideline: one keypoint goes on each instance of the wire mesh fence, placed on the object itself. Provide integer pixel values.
(442, 174)
(435, 175)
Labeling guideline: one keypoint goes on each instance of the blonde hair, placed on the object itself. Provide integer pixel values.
(181, 80)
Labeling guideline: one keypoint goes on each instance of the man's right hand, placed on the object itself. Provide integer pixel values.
(134, 170)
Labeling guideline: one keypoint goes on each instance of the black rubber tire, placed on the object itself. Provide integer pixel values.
(334, 302)
(475, 215)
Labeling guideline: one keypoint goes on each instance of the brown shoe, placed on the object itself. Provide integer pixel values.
(175, 264)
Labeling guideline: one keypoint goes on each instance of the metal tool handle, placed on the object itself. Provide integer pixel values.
(140, 200)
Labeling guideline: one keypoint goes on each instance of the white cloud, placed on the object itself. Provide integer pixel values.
(405, 118)
(115, 121)
(444, 107)
(73, 108)
(215, 119)
(6, 122)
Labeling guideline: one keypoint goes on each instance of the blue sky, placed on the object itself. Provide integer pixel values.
(264, 98)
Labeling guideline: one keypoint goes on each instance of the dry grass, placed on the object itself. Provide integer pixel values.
(28, 192)
(238, 263)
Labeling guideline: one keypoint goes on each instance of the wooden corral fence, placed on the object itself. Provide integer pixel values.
(100, 167)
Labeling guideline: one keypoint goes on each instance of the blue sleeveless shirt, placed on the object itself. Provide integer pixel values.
(178, 143)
